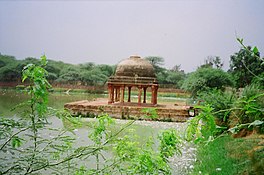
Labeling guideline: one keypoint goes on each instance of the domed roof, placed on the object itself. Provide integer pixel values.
(135, 66)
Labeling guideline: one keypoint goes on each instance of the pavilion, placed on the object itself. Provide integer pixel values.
(133, 72)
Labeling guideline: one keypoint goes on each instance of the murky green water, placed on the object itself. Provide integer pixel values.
(10, 98)
(143, 130)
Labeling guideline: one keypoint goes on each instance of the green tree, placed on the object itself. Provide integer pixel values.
(87, 66)
(6, 59)
(245, 66)
(156, 62)
(9, 73)
(93, 77)
(206, 78)
(69, 74)
(175, 77)
(106, 69)
(9, 68)
(212, 62)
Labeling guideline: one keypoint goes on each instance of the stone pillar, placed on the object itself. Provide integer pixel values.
(129, 94)
(154, 94)
(139, 94)
(145, 94)
(115, 94)
(118, 94)
(110, 94)
(122, 94)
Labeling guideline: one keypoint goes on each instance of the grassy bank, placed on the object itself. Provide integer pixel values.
(231, 156)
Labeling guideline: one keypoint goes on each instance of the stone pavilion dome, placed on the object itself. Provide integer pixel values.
(135, 66)
(132, 72)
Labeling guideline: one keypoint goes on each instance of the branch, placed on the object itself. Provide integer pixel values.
(10, 138)
(75, 156)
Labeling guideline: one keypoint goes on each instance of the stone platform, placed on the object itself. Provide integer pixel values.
(166, 112)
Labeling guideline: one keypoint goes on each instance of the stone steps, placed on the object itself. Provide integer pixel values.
(94, 108)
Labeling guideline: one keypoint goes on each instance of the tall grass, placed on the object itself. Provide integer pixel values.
(229, 156)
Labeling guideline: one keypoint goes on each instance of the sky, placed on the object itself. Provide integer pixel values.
(183, 32)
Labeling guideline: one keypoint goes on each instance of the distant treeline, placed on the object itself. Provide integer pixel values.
(246, 67)
(80, 74)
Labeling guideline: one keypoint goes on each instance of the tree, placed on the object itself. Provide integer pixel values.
(213, 62)
(69, 74)
(94, 77)
(177, 68)
(206, 78)
(87, 66)
(156, 62)
(6, 59)
(175, 78)
(106, 69)
(9, 73)
(245, 66)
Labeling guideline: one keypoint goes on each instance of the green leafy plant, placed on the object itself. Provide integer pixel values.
(150, 113)
(203, 127)
(221, 101)
(170, 143)
(204, 79)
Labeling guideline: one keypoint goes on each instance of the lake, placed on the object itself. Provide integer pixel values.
(144, 129)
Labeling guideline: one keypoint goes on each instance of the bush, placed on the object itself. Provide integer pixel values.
(207, 78)
(250, 105)
(221, 102)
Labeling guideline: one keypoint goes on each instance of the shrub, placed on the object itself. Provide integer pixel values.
(207, 78)
(221, 102)
(250, 106)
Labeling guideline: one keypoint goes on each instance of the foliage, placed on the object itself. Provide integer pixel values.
(175, 77)
(30, 151)
(259, 80)
(203, 127)
(215, 158)
(206, 78)
(250, 106)
(213, 62)
(9, 68)
(130, 157)
(86, 74)
(246, 65)
(221, 102)
(170, 143)
(150, 113)
(155, 61)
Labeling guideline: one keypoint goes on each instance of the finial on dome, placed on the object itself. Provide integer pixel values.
(134, 56)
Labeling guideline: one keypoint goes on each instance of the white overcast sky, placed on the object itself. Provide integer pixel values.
(104, 32)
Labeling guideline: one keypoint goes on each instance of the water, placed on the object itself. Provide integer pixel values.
(144, 129)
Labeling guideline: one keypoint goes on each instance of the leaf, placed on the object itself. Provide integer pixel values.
(255, 50)
(256, 123)
(240, 40)
(16, 142)
(28, 66)
(24, 77)
(233, 130)
(43, 60)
